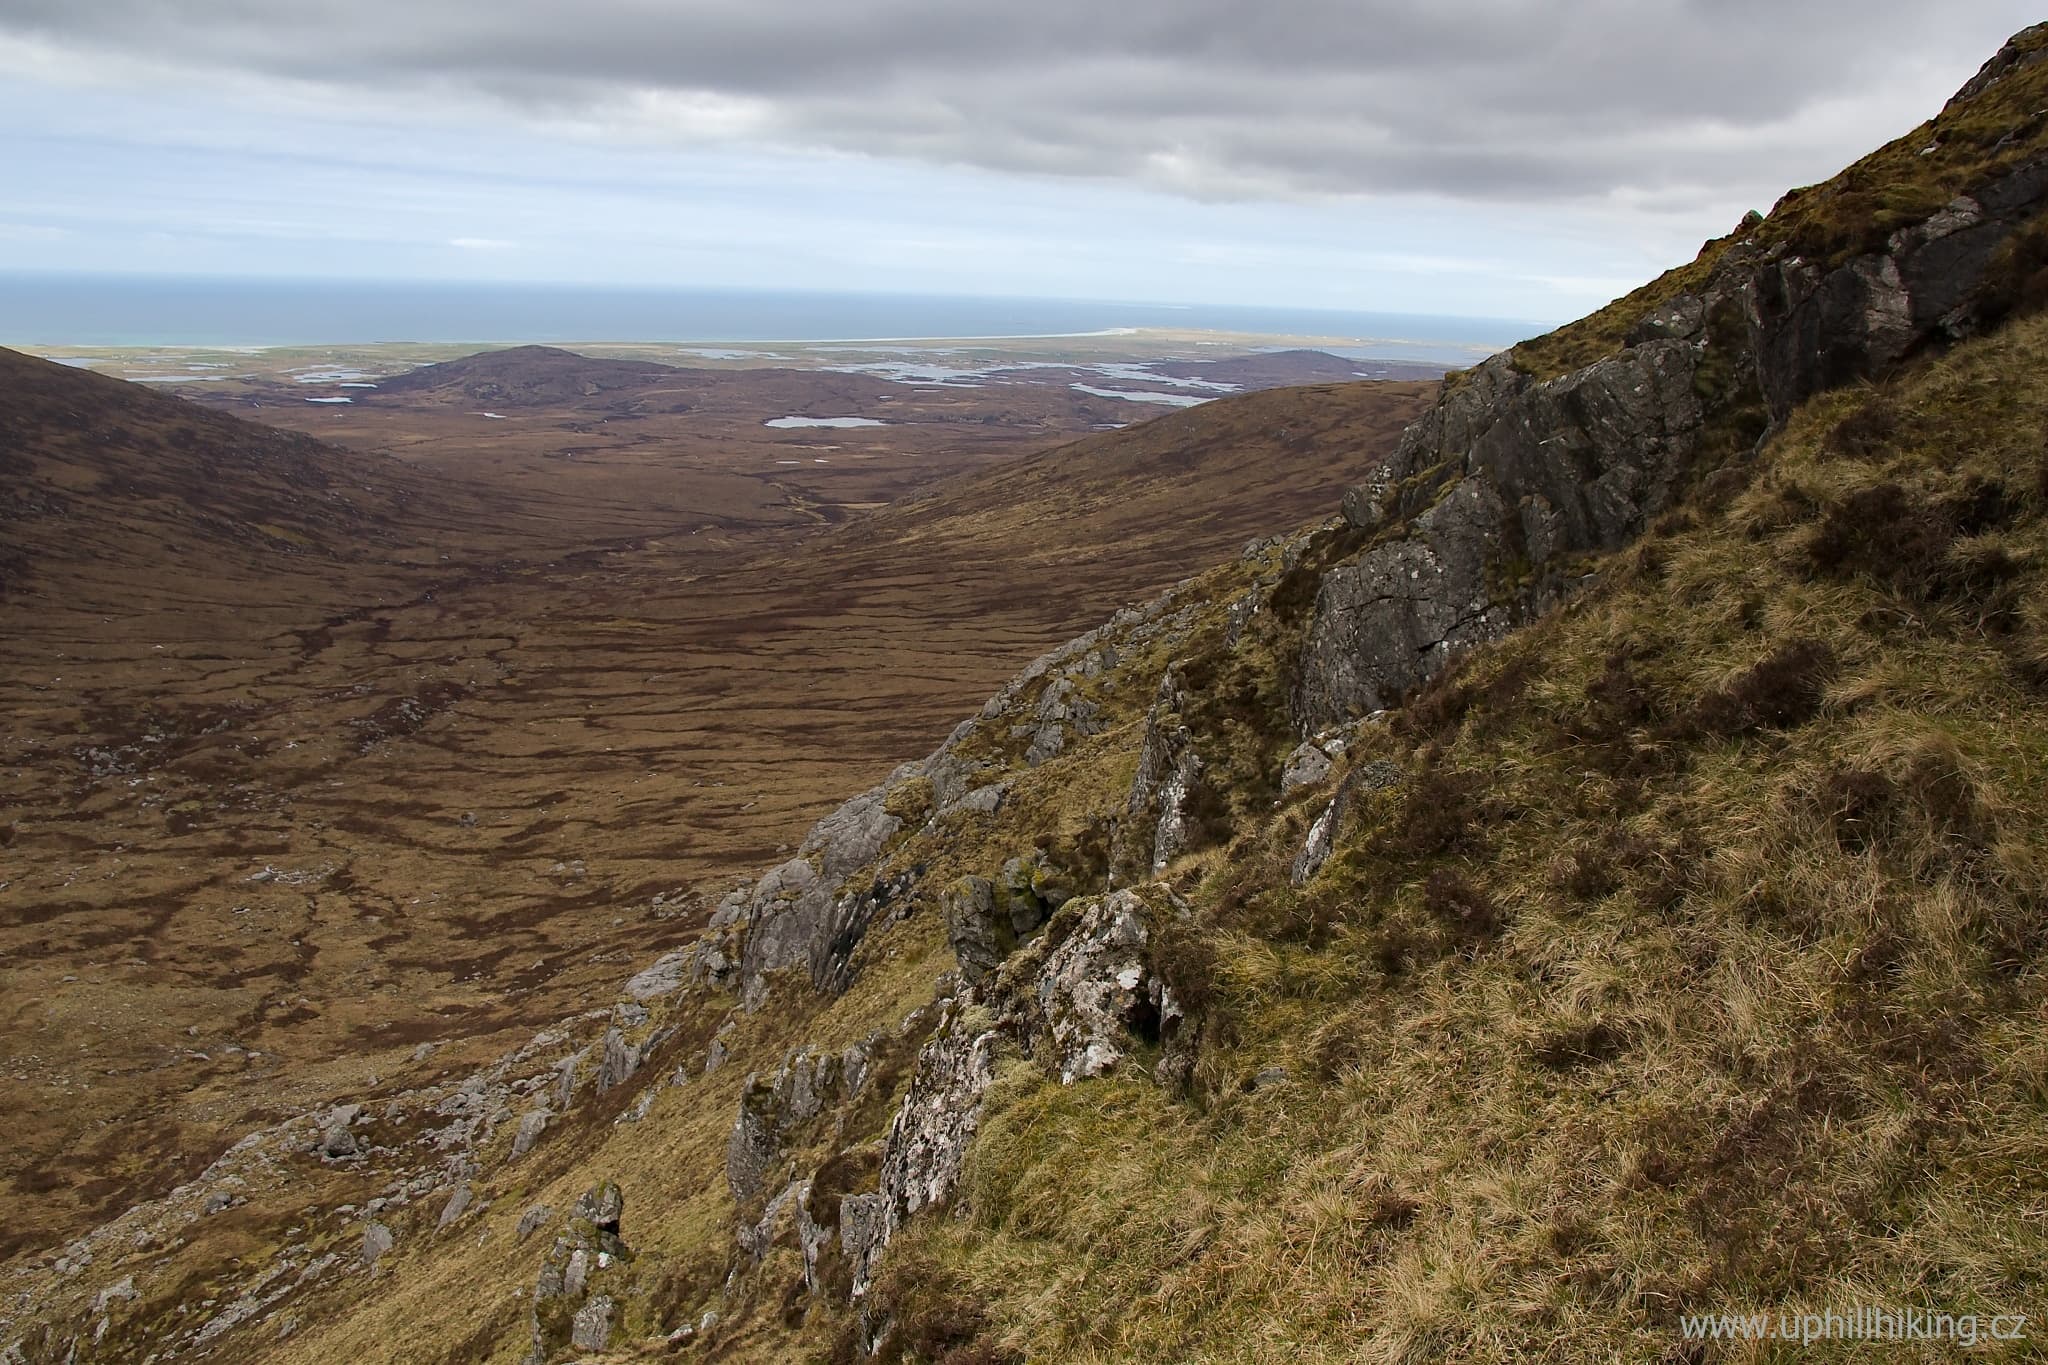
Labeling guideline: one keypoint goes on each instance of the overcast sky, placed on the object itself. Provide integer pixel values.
(1506, 158)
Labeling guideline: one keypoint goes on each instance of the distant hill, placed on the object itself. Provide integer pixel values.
(523, 376)
(109, 487)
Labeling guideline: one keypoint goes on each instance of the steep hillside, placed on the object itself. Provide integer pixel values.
(1594, 881)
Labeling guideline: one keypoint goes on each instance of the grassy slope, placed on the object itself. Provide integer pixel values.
(1696, 966)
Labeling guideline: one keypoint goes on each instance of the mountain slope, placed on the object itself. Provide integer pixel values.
(108, 482)
(1595, 881)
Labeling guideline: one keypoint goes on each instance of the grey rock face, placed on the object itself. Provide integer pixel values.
(531, 1125)
(851, 836)
(377, 1241)
(1322, 834)
(533, 1220)
(2014, 56)
(1096, 991)
(1364, 504)
(986, 800)
(772, 1111)
(1506, 479)
(833, 948)
(665, 977)
(565, 1078)
(457, 1205)
(1819, 328)
(927, 1142)
(790, 917)
(618, 1063)
(787, 1220)
(1074, 1004)
(1169, 775)
(1061, 709)
(591, 1328)
(573, 1306)
(986, 919)
(603, 1205)
(969, 906)
(1518, 471)
(789, 909)
(1391, 620)
(1305, 767)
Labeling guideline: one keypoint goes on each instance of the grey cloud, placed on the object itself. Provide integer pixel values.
(1497, 99)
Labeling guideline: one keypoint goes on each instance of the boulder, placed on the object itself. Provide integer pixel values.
(531, 1125)
(591, 1328)
(1305, 767)
(665, 977)
(457, 1205)
(619, 1061)
(1096, 992)
(1322, 832)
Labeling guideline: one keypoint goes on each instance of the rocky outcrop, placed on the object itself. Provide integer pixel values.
(973, 928)
(1821, 327)
(1361, 781)
(852, 915)
(581, 1281)
(1077, 1000)
(1487, 500)
(1156, 813)
(1309, 763)
(774, 1109)
(1061, 711)
(1482, 515)
(1095, 995)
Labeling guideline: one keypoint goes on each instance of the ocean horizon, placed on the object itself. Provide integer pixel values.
(142, 311)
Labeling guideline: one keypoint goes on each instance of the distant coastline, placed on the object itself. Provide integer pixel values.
(38, 310)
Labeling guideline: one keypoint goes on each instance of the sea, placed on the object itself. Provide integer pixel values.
(50, 310)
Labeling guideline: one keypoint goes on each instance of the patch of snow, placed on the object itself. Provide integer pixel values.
(786, 423)
(330, 400)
